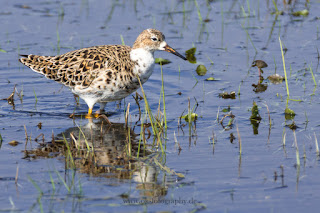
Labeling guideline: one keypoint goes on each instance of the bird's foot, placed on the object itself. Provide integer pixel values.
(90, 116)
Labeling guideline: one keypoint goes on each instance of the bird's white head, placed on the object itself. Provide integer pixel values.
(152, 40)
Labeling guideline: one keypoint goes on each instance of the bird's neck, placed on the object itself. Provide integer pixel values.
(144, 62)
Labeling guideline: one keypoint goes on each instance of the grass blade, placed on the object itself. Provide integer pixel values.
(284, 68)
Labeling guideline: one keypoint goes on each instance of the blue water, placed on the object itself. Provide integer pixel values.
(215, 179)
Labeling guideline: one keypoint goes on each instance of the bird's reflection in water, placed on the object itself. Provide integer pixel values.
(260, 87)
(103, 150)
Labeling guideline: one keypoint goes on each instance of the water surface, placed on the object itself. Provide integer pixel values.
(231, 34)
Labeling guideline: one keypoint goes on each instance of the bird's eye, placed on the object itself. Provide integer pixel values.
(154, 39)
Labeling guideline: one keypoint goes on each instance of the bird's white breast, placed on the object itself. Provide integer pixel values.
(145, 63)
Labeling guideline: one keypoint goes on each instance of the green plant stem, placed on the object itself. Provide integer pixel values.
(122, 40)
(284, 68)
(154, 128)
(163, 99)
(198, 10)
(314, 80)
(275, 6)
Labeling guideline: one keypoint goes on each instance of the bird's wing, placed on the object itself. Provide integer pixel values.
(80, 67)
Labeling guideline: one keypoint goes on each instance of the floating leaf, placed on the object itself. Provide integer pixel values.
(191, 51)
(289, 114)
(276, 79)
(201, 70)
(162, 61)
(289, 111)
(255, 112)
(13, 143)
(304, 12)
(293, 126)
(226, 109)
(194, 117)
(226, 95)
(2, 50)
(211, 79)
(190, 55)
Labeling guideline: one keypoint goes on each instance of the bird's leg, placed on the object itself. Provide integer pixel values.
(89, 115)
(101, 110)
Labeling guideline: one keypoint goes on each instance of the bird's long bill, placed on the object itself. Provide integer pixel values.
(170, 50)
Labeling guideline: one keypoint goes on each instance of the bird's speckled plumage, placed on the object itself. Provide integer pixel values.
(101, 74)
